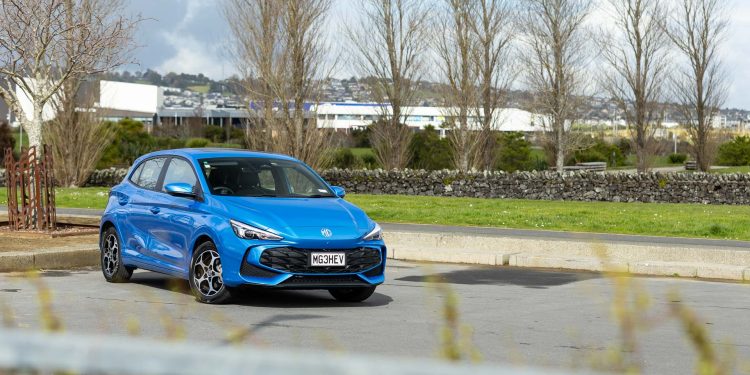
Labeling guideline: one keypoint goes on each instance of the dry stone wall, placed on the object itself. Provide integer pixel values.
(575, 186)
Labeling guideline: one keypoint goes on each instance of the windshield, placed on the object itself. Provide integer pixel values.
(262, 177)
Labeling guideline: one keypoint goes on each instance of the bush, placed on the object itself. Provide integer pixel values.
(344, 158)
(369, 161)
(429, 151)
(600, 151)
(131, 141)
(6, 140)
(514, 154)
(197, 142)
(168, 143)
(735, 152)
(361, 137)
(677, 158)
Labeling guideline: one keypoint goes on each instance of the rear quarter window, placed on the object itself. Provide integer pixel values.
(147, 174)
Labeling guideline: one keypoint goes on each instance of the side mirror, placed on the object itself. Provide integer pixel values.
(180, 189)
(339, 191)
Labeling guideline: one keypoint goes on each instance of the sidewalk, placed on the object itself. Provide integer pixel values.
(647, 255)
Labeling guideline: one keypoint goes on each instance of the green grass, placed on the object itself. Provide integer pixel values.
(743, 169)
(73, 197)
(362, 151)
(203, 89)
(657, 219)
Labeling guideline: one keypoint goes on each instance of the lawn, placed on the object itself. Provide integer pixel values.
(73, 197)
(203, 89)
(658, 219)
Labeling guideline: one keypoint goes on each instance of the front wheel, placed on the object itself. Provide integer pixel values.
(358, 294)
(206, 280)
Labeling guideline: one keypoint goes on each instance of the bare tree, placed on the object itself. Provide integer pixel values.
(555, 56)
(36, 55)
(77, 135)
(495, 29)
(389, 45)
(257, 32)
(636, 56)
(697, 28)
(455, 43)
(282, 53)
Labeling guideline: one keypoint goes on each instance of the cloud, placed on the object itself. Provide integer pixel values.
(197, 49)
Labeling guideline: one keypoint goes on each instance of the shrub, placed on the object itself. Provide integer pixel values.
(677, 158)
(429, 151)
(197, 142)
(514, 154)
(735, 152)
(168, 143)
(131, 141)
(369, 161)
(6, 140)
(361, 137)
(344, 158)
(601, 151)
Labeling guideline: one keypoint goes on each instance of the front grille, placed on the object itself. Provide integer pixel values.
(247, 269)
(316, 281)
(289, 259)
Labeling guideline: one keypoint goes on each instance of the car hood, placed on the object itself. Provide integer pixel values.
(299, 217)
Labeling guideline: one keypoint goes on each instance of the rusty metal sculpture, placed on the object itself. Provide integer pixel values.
(31, 190)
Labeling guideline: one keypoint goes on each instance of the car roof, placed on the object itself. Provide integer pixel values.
(209, 153)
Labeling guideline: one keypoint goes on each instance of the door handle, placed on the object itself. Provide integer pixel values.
(155, 210)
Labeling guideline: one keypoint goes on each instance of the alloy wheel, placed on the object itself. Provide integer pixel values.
(207, 273)
(111, 255)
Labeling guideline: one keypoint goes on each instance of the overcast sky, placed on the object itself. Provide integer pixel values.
(191, 36)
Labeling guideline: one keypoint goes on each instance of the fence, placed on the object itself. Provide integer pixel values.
(30, 186)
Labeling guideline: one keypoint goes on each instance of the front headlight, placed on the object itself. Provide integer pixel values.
(252, 233)
(376, 234)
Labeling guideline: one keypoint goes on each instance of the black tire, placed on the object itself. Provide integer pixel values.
(205, 279)
(357, 294)
(110, 249)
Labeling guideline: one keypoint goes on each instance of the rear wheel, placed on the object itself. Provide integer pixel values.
(111, 258)
(357, 294)
(206, 279)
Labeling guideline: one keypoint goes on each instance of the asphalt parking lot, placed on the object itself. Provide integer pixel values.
(520, 316)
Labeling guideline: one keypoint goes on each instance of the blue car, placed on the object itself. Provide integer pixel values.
(223, 219)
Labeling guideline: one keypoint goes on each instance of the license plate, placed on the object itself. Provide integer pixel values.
(327, 259)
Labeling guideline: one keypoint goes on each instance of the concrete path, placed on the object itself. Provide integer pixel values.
(519, 316)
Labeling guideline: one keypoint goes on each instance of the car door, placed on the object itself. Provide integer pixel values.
(143, 210)
(178, 216)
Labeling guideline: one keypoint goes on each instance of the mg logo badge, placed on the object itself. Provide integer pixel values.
(326, 232)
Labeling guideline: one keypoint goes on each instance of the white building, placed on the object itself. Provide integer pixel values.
(347, 116)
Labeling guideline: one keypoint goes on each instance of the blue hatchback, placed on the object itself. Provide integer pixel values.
(226, 218)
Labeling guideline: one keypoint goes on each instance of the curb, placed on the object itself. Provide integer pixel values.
(694, 261)
(66, 257)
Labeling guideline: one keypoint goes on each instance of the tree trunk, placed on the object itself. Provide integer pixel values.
(34, 128)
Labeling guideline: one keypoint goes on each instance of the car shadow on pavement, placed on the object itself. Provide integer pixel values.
(529, 278)
(265, 297)
(261, 297)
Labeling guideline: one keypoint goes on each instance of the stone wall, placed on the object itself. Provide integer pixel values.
(578, 186)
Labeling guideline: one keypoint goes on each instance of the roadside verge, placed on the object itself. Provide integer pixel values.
(710, 259)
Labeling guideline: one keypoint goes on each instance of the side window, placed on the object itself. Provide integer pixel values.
(137, 173)
(149, 174)
(179, 170)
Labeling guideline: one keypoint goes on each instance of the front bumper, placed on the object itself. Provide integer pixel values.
(285, 265)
